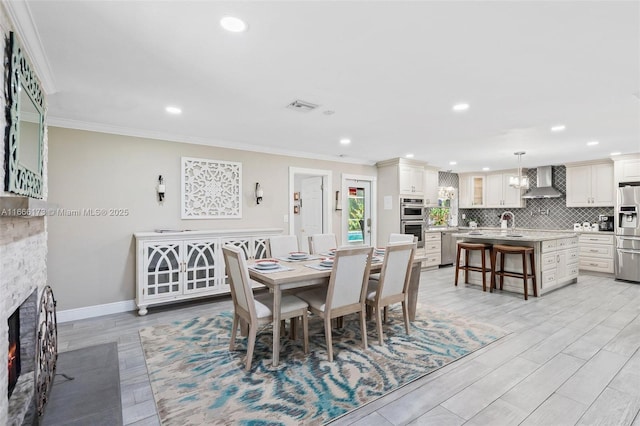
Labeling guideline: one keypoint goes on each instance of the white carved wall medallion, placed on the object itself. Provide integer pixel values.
(211, 189)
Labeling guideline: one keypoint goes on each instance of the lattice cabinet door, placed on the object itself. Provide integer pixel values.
(162, 266)
(259, 248)
(202, 266)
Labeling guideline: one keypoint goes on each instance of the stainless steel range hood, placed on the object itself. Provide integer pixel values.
(544, 182)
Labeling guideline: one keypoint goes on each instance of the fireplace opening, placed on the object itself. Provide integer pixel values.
(14, 350)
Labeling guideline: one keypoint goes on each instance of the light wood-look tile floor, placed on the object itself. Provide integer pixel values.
(572, 358)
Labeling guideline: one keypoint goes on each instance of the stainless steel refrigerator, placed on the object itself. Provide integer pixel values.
(627, 258)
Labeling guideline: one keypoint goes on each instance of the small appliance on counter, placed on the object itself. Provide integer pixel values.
(577, 227)
(605, 223)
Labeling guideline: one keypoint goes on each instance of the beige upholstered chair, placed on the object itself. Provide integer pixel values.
(282, 245)
(393, 284)
(397, 238)
(321, 243)
(256, 311)
(345, 293)
(402, 238)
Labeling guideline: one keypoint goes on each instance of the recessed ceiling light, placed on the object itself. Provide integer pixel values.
(329, 112)
(461, 107)
(233, 24)
(453, 163)
(173, 110)
(593, 143)
(558, 128)
(486, 169)
(409, 155)
(615, 153)
(345, 141)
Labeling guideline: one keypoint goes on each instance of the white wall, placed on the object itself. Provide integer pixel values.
(92, 259)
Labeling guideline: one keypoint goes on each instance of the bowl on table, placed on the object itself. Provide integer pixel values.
(327, 261)
(298, 255)
(266, 264)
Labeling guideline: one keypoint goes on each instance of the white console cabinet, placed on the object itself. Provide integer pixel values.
(176, 266)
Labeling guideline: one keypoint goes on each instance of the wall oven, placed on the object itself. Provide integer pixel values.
(415, 228)
(412, 209)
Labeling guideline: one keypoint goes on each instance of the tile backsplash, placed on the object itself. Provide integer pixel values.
(559, 217)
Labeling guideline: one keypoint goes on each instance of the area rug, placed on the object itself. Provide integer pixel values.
(197, 381)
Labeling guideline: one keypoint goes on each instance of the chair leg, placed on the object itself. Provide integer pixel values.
(251, 343)
(363, 326)
(484, 267)
(384, 315)
(493, 270)
(294, 328)
(327, 333)
(379, 324)
(466, 263)
(501, 270)
(525, 277)
(533, 273)
(457, 265)
(234, 329)
(305, 332)
(405, 311)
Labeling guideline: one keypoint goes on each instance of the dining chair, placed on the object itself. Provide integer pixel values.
(345, 293)
(282, 245)
(393, 285)
(397, 238)
(322, 243)
(257, 310)
(402, 238)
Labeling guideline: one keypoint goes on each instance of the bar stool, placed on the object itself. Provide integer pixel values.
(502, 250)
(467, 247)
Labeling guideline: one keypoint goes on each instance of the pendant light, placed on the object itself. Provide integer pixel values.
(521, 182)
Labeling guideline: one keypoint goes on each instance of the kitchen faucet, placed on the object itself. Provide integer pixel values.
(513, 219)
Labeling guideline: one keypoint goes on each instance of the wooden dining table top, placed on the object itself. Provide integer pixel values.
(301, 273)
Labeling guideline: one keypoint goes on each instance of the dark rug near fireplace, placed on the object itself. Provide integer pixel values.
(93, 396)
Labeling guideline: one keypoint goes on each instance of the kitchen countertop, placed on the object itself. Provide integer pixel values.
(522, 230)
(519, 235)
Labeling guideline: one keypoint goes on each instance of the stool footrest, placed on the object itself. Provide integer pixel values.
(513, 274)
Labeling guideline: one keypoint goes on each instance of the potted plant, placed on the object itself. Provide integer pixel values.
(439, 216)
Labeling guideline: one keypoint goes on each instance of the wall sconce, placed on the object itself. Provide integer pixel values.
(338, 201)
(160, 188)
(259, 193)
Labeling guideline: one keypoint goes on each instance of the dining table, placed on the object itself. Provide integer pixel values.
(297, 274)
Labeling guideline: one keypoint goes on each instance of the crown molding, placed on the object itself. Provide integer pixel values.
(148, 134)
(22, 21)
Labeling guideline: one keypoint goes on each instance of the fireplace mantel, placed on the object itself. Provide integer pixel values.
(20, 206)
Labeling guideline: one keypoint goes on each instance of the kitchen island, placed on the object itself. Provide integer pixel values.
(556, 257)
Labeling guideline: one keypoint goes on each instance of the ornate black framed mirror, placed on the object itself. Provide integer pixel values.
(25, 125)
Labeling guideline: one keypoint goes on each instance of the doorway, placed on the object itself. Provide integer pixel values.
(310, 208)
(358, 215)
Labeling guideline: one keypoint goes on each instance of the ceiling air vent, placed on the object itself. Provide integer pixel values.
(302, 106)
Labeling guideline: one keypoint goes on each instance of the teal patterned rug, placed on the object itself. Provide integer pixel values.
(197, 381)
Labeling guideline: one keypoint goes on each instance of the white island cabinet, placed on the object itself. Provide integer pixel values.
(174, 266)
(556, 258)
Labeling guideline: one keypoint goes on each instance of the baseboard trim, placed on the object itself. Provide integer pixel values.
(95, 311)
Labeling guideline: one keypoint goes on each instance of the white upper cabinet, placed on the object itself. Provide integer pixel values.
(627, 168)
(411, 179)
(472, 191)
(590, 185)
(431, 183)
(499, 193)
